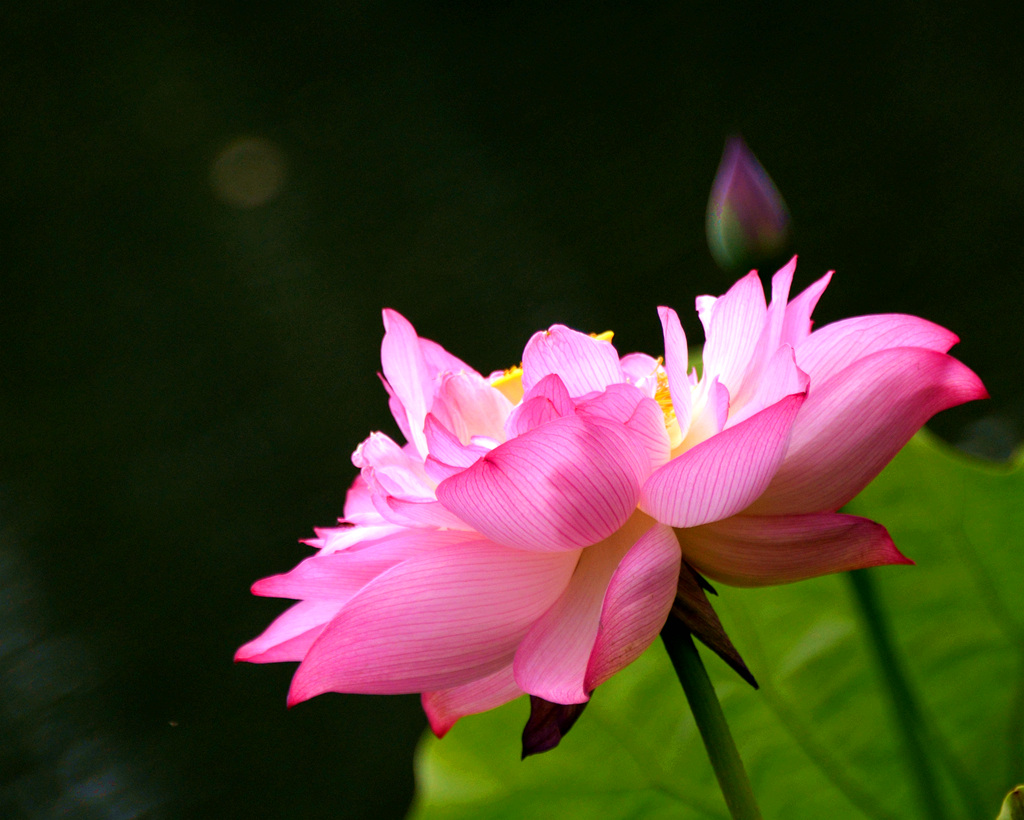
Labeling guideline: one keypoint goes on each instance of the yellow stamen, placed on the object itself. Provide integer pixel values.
(663, 396)
(510, 383)
(607, 336)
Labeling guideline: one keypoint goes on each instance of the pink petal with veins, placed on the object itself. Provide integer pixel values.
(584, 364)
(751, 550)
(852, 425)
(732, 327)
(435, 621)
(724, 474)
(567, 484)
(445, 707)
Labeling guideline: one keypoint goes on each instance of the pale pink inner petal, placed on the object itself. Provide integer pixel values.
(641, 371)
(438, 470)
(389, 468)
(418, 513)
(854, 423)
(710, 414)
(438, 360)
(359, 505)
(749, 550)
(401, 358)
(468, 406)
(583, 363)
(636, 604)
(836, 346)
(350, 538)
(435, 621)
(723, 474)
(732, 327)
(445, 446)
(782, 281)
(565, 485)
(797, 325)
(445, 707)
(769, 341)
(779, 377)
(626, 405)
(677, 364)
(551, 662)
(397, 409)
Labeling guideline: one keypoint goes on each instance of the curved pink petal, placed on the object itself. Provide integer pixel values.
(626, 405)
(552, 659)
(732, 327)
(405, 369)
(778, 378)
(340, 575)
(584, 364)
(552, 388)
(445, 446)
(438, 470)
(388, 468)
(852, 425)
(753, 550)
(677, 363)
(397, 409)
(565, 485)
(769, 341)
(797, 325)
(724, 474)
(336, 576)
(836, 346)
(420, 513)
(439, 360)
(710, 413)
(469, 406)
(641, 371)
(348, 536)
(290, 635)
(636, 604)
(435, 621)
(445, 707)
(547, 400)
(359, 507)
(775, 319)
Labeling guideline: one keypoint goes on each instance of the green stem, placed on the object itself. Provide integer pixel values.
(901, 697)
(707, 711)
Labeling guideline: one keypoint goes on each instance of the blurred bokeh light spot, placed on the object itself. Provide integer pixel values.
(248, 172)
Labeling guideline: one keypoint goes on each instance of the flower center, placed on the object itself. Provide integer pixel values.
(663, 396)
(510, 384)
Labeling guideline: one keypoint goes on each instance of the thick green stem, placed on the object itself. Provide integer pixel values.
(725, 759)
(902, 700)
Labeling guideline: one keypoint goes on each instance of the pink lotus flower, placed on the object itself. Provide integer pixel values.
(530, 534)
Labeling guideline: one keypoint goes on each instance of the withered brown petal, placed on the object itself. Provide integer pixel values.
(548, 724)
(693, 608)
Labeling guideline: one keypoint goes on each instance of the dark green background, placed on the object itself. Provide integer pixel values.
(183, 380)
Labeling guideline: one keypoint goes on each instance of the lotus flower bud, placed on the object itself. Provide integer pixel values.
(747, 220)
